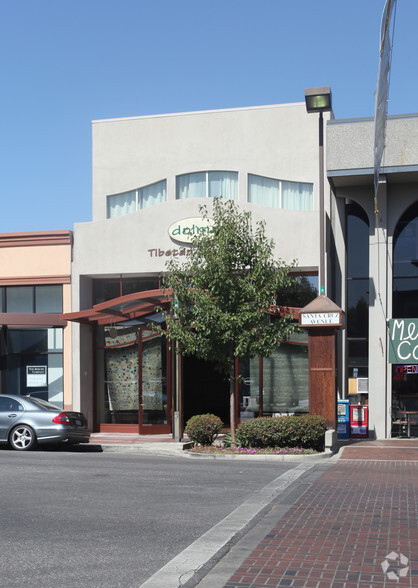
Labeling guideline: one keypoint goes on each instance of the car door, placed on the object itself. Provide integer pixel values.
(10, 412)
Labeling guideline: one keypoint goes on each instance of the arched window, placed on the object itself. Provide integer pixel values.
(357, 231)
(405, 305)
(405, 265)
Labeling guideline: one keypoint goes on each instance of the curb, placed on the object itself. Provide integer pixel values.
(181, 451)
(261, 457)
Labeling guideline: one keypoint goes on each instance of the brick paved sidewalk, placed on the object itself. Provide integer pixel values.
(341, 529)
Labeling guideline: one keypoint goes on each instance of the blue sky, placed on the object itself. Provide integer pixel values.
(65, 63)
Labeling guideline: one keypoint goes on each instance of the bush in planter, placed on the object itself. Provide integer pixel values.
(307, 431)
(203, 428)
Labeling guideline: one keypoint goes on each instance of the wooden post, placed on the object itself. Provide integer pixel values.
(321, 318)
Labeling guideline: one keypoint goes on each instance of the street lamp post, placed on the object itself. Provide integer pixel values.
(322, 317)
(319, 100)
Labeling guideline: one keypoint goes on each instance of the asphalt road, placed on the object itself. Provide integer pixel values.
(111, 519)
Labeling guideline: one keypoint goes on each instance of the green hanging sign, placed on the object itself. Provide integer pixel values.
(403, 341)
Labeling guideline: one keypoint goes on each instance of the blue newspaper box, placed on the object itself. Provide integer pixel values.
(343, 419)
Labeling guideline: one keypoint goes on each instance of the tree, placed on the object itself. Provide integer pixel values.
(223, 292)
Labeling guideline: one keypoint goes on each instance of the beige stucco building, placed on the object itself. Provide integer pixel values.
(34, 291)
(152, 173)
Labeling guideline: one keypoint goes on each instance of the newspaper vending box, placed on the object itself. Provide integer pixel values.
(343, 416)
(359, 421)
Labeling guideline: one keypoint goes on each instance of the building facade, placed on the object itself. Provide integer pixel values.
(150, 176)
(35, 342)
(76, 310)
(374, 268)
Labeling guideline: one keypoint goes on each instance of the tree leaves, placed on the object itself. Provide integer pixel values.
(225, 288)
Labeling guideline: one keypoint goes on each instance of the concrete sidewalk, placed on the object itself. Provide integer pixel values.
(355, 525)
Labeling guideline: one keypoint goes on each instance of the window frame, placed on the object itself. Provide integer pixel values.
(138, 198)
(207, 183)
(280, 198)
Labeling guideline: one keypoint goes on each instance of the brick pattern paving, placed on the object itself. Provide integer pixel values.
(341, 530)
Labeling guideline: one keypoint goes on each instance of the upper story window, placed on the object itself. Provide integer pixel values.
(104, 290)
(121, 204)
(280, 194)
(32, 299)
(207, 185)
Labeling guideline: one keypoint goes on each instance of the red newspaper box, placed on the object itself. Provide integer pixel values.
(359, 421)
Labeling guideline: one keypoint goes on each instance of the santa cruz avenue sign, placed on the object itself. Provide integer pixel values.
(320, 319)
(403, 341)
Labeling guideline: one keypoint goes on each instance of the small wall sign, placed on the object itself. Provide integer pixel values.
(184, 230)
(320, 319)
(36, 376)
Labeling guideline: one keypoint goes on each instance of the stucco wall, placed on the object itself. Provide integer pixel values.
(279, 141)
(42, 258)
(351, 143)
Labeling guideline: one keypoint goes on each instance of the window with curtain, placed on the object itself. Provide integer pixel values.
(128, 202)
(121, 204)
(151, 195)
(297, 196)
(280, 194)
(223, 184)
(207, 185)
(191, 186)
(264, 191)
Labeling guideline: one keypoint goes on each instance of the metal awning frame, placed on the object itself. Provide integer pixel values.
(138, 305)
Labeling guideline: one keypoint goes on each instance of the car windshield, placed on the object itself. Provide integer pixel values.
(42, 404)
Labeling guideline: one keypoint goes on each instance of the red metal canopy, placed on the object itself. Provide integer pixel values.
(131, 306)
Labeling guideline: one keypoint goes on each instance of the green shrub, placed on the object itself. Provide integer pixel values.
(307, 431)
(203, 428)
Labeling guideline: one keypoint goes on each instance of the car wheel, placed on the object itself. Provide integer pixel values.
(22, 438)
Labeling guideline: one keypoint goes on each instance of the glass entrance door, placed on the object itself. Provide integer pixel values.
(132, 391)
(154, 405)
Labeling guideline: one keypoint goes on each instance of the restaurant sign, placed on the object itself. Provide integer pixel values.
(403, 341)
(186, 229)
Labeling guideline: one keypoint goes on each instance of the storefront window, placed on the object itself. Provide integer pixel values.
(35, 363)
(131, 362)
(117, 374)
(285, 378)
(154, 380)
(249, 390)
(405, 305)
(358, 285)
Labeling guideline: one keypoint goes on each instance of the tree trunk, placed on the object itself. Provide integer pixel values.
(232, 400)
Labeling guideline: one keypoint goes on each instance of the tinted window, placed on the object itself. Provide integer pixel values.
(9, 404)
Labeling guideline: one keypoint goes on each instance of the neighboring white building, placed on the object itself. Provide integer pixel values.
(375, 266)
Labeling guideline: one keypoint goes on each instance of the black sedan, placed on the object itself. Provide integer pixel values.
(26, 421)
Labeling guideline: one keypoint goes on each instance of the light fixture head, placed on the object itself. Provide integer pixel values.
(318, 99)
